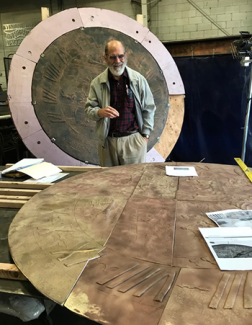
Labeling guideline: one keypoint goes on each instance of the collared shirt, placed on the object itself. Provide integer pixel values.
(121, 98)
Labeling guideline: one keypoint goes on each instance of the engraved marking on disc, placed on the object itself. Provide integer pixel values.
(248, 291)
(138, 279)
(55, 117)
(149, 283)
(232, 295)
(166, 288)
(219, 291)
(49, 97)
(52, 72)
(65, 58)
(126, 277)
(109, 278)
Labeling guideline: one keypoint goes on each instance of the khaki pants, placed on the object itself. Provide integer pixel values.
(127, 150)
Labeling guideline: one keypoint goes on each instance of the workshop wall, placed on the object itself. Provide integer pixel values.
(17, 18)
(127, 7)
(193, 19)
(178, 20)
(169, 20)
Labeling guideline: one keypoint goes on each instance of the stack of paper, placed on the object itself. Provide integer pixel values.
(230, 242)
(231, 246)
(23, 164)
(180, 171)
(33, 167)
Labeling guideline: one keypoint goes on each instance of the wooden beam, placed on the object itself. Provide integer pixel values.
(22, 185)
(80, 168)
(191, 48)
(11, 191)
(14, 197)
(73, 168)
(12, 203)
(10, 271)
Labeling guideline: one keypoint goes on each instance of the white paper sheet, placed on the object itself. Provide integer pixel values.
(231, 218)
(22, 164)
(44, 169)
(49, 179)
(180, 171)
(230, 246)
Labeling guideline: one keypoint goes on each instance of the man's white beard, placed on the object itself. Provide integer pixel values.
(117, 70)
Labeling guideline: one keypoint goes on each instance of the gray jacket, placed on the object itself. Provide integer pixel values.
(99, 97)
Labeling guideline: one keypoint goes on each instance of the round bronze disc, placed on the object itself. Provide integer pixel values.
(61, 84)
(148, 263)
(51, 73)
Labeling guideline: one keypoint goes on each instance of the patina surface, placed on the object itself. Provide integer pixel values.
(148, 263)
(61, 82)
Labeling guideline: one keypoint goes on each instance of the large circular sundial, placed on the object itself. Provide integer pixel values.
(61, 81)
(51, 73)
(121, 246)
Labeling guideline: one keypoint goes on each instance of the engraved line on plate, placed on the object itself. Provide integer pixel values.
(108, 278)
(91, 255)
(92, 61)
(55, 117)
(232, 295)
(219, 291)
(68, 253)
(63, 56)
(49, 97)
(83, 251)
(138, 279)
(146, 285)
(247, 295)
(52, 72)
(126, 277)
(166, 288)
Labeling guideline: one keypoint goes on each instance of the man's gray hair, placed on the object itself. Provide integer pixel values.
(106, 47)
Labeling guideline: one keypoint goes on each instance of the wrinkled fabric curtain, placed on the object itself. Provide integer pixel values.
(217, 90)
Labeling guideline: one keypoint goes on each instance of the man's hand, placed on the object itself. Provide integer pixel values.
(108, 112)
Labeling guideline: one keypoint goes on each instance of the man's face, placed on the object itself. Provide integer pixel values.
(116, 59)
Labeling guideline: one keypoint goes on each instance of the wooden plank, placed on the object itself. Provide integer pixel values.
(12, 203)
(73, 168)
(10, 271)
(191, 48)
(11, 191)
(14, 197)
(80, 168)
(22, 185)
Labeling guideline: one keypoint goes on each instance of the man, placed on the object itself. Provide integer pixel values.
(121, 103)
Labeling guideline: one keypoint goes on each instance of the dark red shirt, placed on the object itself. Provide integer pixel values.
(121, 98)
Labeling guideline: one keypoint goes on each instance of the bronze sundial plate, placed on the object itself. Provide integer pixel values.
(61, 82)
(51, 73)
(138, 228)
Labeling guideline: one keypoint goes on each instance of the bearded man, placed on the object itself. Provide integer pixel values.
(121, 103)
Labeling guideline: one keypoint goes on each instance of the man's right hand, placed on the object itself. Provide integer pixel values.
(108, 112)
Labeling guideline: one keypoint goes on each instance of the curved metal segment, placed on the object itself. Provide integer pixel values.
(47, 31)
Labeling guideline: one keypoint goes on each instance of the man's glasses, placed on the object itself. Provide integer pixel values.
(114, 57)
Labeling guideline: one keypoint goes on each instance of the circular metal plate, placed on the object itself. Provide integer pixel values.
(139, 229)
(61, 84)
(51, 73)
